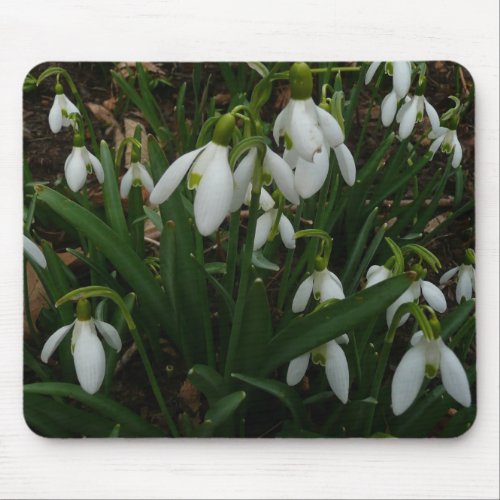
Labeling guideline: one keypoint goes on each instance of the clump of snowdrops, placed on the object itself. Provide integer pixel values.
(292, 295)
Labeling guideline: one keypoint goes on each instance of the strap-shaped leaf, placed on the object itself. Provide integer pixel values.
(106, 407)
(209, 382)
(149, 293)
(220, 412)
(288, 396)
(331, 321)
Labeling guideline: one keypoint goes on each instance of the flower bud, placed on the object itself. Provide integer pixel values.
(301, 81)
(224, 130)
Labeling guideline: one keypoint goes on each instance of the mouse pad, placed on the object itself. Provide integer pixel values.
(277, 249)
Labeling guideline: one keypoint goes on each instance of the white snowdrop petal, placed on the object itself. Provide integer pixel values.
(146, 179)
(291, 157)
(388, 108)
(297, 369)
(330, 289)
(448, 275)
(263, 228)
(457, 152)
(282, 174)
(302, 295)
(304, 129)
(266, 200)
(70, 107)
(90, 360)
(408, 120)
(337, 370)
(342, 340)
(407, 296)
(287, 232)
(372, 69)
(408, 379)
(432, 114)
(310, 177)
(346, 164)
(53, 342)
(454, 377)
(214, 194)
(55, 117)
(436, 144)
(173, 176)
(402, 110)
(464, 286)
(110, 334)
(416, 337)
(96, 167)
(75, 170)
(242, 177)
(401, 77)
(434, 296)
(126, 183)
(372, 270)
(438, 132)
(330, 128)
(34, 252)
(377, 275)
(281, 122)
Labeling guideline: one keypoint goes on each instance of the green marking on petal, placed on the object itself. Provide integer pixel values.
(194, 180)
(267, 178)
(288, 142)
(430, 371)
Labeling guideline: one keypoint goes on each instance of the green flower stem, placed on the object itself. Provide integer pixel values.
(232, 251)
(284, 285)
(374, 96)
(135, 222)
(207, 323)
(100, 291)
(246, 263)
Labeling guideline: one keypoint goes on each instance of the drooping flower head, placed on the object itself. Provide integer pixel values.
(62, 108)
(466, 277)
(324, 285)
(401, 81)
(424, 359)
(309, 133)
(137, 175)
(79, 163)
(445, 137)
(209, 173)
(88, 352)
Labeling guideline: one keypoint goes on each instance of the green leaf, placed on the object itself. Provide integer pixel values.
(209, 382)
(154, 217)
(220, 412)
(319, 327)
(256, 330)
(106, 407)
(150, 296)
(283, 392)
(112, 202)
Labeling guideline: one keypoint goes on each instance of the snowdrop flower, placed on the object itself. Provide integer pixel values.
(324, 285)
(60, 111)
(401, 81)
(332, 357)
(79, 163)
(412, 112)
(309, 132)
(466, 282)
(266, 222)
(425, 358)
(136, 175)
(432, 294)
(87, 349)
(447, 140)
(209, 173)
(273, 166)
(34, 252)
